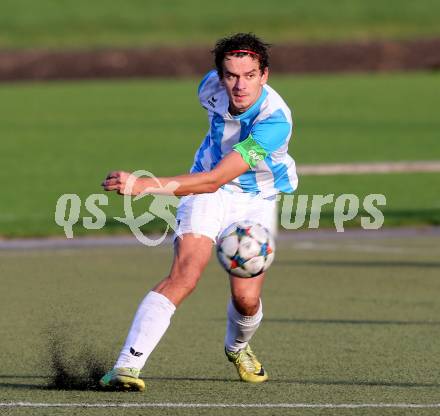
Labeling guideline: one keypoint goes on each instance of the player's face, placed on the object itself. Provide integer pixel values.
(243, 81)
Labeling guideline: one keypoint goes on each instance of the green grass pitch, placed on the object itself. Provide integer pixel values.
(64, 23)
(347, 320)
(61, 138)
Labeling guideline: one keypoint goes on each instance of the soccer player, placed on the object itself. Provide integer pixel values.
(240, 167)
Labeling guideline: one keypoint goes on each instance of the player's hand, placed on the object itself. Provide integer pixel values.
(117, 181)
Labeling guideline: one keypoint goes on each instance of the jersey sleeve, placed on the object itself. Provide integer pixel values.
(266, 136)
(209, 90)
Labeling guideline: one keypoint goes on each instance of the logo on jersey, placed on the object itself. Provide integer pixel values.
(212, 101)
(255, 156)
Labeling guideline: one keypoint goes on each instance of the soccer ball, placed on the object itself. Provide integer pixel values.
(245, 249)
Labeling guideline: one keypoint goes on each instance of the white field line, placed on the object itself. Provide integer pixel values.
(227, 405)
(362, 168)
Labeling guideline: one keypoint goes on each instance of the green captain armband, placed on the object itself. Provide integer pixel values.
(250, 151)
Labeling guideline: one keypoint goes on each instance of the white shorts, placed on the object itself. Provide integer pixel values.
(210, 214)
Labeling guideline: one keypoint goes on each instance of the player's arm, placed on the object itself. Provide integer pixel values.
(229, 168)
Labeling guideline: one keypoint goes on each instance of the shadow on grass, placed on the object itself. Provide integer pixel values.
(304, 382)
(357, 383)
(28, 376)
(347, 322)
(178, 378)
(354, 383)
(22, 386)
(375, 263)
(76, 383)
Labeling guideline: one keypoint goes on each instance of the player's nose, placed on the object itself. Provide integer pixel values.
(240, 84)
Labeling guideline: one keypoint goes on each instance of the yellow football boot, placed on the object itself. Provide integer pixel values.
(122, 379)
(248, 367)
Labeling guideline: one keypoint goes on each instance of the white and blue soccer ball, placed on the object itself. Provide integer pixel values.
(245, 249)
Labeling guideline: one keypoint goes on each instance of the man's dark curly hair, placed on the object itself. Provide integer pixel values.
(241, 41)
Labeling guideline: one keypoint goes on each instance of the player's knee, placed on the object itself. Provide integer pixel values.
(185, 278)
(246, 305)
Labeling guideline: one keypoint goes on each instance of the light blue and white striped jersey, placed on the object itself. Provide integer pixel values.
(268, 124)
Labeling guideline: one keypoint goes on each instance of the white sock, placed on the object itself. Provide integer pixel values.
(241, 328)
(150, 322)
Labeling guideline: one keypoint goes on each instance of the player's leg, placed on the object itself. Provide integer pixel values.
(154, 313)
(246, 292)
(244, 315)
(244, 311)
(198, 223)
(191, 255)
